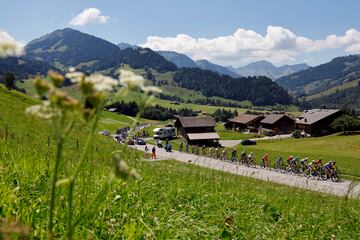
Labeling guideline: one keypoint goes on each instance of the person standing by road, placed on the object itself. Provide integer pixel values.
(146, 151)
(187, 148)
(181, 147)
(153, 151)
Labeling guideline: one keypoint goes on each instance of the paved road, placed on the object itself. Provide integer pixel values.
(232, 143)
(342, 188)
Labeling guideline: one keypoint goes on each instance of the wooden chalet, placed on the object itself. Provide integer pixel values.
(274, 124)
(244, 122)
(198, 130)
(316, 122)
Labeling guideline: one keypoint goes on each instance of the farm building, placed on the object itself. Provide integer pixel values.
(197, 130)
(244, 122)
(274, 124)
(316, 122)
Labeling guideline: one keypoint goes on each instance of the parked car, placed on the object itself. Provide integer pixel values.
(140, 141)
(164, 133)
(248, 142)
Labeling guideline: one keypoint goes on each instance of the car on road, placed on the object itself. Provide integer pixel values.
(248, 142)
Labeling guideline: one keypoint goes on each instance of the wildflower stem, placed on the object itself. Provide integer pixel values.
(84, 153)
(59, 146)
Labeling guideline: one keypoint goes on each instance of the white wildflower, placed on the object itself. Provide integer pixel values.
(130, 80)
(43, 110)
(9, 47)
(151, 89)
(101, 83)
(72, 69)
(75, 77)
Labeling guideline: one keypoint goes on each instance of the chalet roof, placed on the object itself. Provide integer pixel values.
(315, 115)
(197, 121)
(203, 136)
(273, 118)
(245, 118)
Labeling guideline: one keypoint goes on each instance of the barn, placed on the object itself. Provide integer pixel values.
(244, 122)
(317, 122)
(198, 130)
(274, 124)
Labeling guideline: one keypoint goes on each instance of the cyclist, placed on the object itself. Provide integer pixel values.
(303, 164)
(243, 156)
(251, 158)
(329, 168)
(224, 154)
(265, 160)
(294, 164)
(233, 155)
(210, 152)
(217, 152)
(290, 158)
(203, 150)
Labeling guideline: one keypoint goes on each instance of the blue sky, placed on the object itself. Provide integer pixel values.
(208, 27)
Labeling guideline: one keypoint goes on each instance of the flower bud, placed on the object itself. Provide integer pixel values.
(41, 86)
(56, 78)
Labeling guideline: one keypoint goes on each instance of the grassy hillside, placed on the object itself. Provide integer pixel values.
(172, 200)
(333, 90)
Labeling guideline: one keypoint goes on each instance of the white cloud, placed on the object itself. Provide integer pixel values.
(89, 15)
(9, 47)
(279, 45)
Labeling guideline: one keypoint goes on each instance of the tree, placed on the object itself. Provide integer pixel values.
(346, 123)
(10, 81)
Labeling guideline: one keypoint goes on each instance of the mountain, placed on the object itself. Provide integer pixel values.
(180, 60)
(339, 71)
(206, 65)
(333, 84)
(23, 68)
(68, 47)
(259, 91)
(146, 58)
(265, 68)
(124, 45)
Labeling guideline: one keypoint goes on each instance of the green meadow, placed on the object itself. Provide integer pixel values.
(171, 200)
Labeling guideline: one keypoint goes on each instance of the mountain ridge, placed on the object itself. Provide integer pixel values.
(266, 68)
(206, 65)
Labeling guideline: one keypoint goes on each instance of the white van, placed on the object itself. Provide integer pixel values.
(164, 133)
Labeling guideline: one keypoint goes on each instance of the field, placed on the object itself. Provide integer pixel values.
(171, 201)
(345, 150)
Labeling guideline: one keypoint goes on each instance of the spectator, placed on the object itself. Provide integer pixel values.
(153, 156)
(181, 147)
(146, 151)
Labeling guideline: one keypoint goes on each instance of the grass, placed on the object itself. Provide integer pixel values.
(171, 201)
(333, 90)
(231, 135)
(344, 150)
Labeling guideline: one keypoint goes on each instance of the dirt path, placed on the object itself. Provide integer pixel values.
(341, 188)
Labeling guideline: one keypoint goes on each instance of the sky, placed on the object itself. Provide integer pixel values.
(225, 32)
